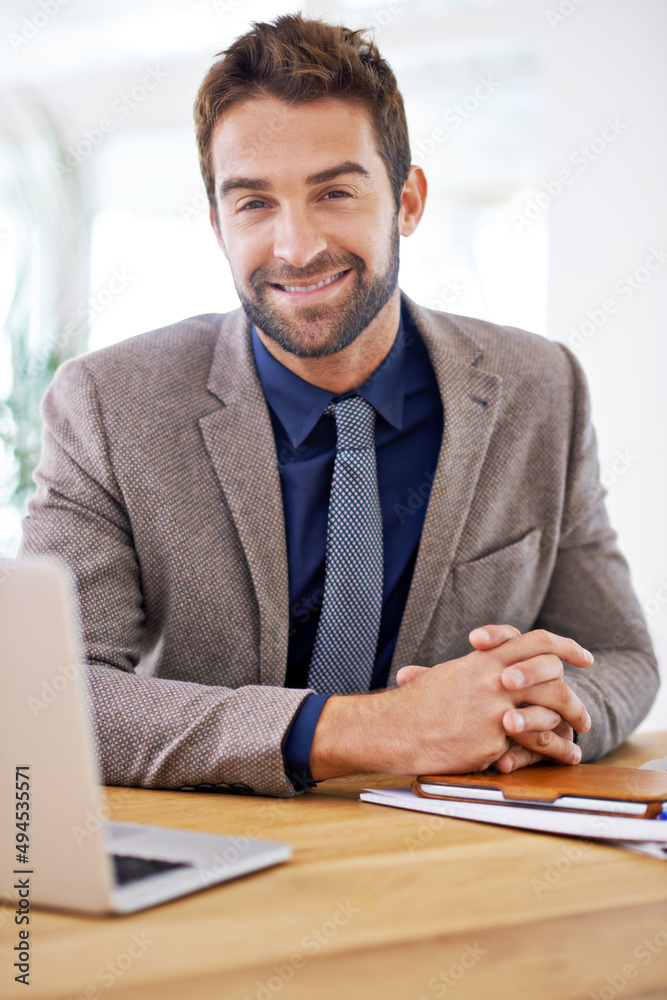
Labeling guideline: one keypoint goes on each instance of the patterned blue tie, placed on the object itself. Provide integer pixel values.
(347, 632)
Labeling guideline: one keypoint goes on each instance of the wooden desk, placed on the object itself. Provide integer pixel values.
(377, 904)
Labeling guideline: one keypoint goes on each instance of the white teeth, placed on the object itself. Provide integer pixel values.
(310, 288)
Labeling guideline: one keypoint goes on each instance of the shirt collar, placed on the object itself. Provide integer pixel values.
(299, 404)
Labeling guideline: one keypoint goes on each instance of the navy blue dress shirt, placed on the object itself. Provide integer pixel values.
(404, 391)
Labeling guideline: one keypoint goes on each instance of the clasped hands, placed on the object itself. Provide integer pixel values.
(527, 694)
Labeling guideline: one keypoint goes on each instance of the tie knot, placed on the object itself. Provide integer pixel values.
(355, 423)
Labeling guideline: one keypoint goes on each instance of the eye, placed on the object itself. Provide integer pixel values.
(335, 195)
(252, 205)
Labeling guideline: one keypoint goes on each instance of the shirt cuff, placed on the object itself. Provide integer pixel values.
(298, 741)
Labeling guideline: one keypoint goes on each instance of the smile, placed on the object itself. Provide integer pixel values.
(311, 288)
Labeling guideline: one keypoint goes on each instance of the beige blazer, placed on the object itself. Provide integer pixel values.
(159, 486)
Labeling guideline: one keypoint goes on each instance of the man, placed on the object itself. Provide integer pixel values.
(283, 517)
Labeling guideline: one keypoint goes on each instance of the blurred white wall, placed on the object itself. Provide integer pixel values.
(606, 82)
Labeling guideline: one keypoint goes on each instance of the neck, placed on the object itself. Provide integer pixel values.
(349, 368)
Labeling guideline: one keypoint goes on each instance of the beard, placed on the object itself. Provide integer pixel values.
(321, 330)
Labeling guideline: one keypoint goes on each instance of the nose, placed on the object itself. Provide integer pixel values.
(297, 238)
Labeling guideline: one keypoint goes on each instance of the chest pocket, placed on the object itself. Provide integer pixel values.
(504, 586)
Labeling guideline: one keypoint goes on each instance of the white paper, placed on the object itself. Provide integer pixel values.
(658, 851)
(655, 765)
(544, 820)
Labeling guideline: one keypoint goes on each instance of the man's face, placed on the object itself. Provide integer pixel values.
(304, 199)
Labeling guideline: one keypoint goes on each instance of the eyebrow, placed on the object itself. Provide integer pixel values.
(259, 184)
(349, 167)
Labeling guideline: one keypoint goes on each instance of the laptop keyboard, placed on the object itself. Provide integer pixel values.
(129, 869)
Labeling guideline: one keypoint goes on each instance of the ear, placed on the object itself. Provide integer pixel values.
(216, 230)
(413, 200)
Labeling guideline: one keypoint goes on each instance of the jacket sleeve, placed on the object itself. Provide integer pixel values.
(590, 598)
(151, 732)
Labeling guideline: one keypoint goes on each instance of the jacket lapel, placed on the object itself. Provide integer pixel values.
(239, 440)
(470, 400)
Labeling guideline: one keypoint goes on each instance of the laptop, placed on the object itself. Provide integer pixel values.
(56, 847)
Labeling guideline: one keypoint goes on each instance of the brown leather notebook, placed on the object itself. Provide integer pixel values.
(542, 784)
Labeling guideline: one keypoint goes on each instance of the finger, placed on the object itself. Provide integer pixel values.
(532, 718)
(545, 744)
(516, 757)
(534, 671)
(407, 674)
(535, 643)
(559, 696)
(490, 636)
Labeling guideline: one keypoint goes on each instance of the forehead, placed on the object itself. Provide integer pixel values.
(267, 137)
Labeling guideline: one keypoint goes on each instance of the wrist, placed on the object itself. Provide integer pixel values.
(349, 736)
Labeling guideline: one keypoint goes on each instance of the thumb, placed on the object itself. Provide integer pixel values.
(491, 636)
(407, 674)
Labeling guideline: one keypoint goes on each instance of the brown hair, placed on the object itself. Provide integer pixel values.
(299, 60)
